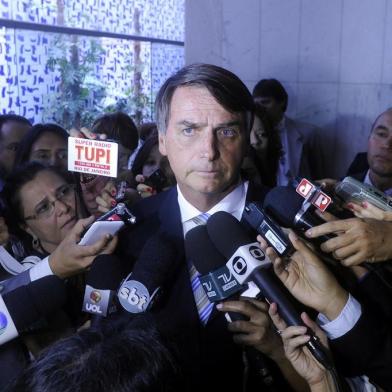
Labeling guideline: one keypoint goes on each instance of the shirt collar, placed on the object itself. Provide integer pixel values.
(233, 203)
(368, 181)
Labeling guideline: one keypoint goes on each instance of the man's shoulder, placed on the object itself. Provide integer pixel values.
(151, 205)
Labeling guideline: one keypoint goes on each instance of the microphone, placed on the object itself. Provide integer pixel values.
(216, 279)
(247, 262)
(156, 265)
(102, 282)
(286, 206)
(219, 284)
(27, 304)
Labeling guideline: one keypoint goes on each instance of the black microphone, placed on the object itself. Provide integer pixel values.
(155, 267)
(102, 282)
(216, 279)
(219, 284)
(286, 206)
(27, 304)
(247, 262)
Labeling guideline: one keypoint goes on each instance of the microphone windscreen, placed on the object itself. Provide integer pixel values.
(283, 202)
(27, 304)
(157, 262)
(106, 273)
(226, 233)
(201, 251)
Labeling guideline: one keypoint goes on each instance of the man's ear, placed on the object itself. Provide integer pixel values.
(162, 143)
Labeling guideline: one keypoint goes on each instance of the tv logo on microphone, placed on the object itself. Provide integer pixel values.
(134, 296)
(314, 194)
(3, 323)
(96, 301)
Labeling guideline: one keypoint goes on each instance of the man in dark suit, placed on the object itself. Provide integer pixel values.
(303, 152)
(204, 116)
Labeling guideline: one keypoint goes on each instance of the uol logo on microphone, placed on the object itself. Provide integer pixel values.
(96, 301)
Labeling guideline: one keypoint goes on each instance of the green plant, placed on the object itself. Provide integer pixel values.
(78, 98)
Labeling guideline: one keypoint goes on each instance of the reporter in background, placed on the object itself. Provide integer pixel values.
(360, 337)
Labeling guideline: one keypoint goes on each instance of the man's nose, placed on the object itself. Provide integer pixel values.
(209, 148)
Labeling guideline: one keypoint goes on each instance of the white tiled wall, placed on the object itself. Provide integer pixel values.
(334, 58)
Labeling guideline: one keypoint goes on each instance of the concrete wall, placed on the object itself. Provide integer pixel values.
(334, 58)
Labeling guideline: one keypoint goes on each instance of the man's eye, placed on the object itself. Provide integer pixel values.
(227, 132)
(381, 134)
(188, 131)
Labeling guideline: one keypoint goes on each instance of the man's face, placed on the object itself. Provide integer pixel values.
(273, 107)
(205, 144)
(12, 133)
(380, 146)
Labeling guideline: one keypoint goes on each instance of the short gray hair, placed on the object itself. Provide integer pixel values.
(222, 84)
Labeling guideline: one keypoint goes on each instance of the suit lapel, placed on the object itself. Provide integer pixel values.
(181, 299)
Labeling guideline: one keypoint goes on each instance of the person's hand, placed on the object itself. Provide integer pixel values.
(257, 331)
(308, 279)
(358, 240)
(368, 210)
(294, 338)
(143, 189)
(327, 184)
(106, 199)
(4, 234)
(69, 258)
(86, 133)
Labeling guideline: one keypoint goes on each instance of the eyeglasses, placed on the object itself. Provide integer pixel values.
(45, 208)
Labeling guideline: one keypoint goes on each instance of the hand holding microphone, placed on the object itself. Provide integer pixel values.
(308, 279)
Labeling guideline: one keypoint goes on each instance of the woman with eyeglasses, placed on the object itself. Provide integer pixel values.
(44, 208)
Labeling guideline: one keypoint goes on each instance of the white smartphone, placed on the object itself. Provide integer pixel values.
(98, 229)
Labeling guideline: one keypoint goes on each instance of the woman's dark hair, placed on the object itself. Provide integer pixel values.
(274, 149)
(119, 127)
(143, 154)
(24, 148)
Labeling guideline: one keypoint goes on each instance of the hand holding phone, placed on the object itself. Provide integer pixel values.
(99, 229)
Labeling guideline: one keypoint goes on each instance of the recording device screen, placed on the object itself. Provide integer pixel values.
(352, 190)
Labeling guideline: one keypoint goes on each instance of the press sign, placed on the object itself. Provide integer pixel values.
(92, 156)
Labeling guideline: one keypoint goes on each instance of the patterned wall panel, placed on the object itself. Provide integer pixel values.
(28, 86)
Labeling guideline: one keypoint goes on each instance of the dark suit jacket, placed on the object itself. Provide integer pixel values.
(208, 356)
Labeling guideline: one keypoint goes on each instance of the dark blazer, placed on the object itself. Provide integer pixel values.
(209, 358)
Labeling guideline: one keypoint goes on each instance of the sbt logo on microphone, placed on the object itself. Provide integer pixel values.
(134, 296)
(245, 260)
